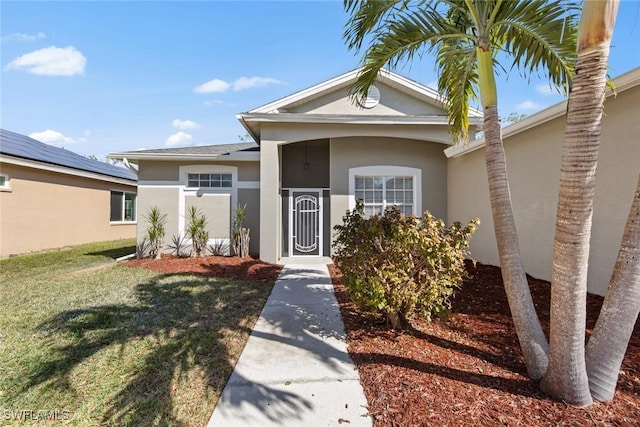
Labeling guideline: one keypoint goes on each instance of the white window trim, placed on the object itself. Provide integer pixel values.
(117, 190)
(185, 190)
(385, 170)
(207, 173)
(7, 183)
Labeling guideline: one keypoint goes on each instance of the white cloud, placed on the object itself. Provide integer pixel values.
(215, 85)
(528, 105)
(251, 82)
(242, 83)
(185, 124)
(179, 139)
(51, 61)
(546, 89)
(23, 37)
(53, 137)
(212, 102)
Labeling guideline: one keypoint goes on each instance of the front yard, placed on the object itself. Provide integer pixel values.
(89, 342)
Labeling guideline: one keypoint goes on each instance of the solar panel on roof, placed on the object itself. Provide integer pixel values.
(17, 145)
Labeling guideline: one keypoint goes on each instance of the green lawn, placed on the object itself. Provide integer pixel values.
(115, 345)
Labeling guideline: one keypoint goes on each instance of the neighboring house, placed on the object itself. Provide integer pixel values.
(318, 151)
(51, 197)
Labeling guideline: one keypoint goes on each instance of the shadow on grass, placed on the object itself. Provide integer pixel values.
(115, 253)
(183, 321)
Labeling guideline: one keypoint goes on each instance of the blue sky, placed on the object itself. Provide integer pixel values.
(104, 76)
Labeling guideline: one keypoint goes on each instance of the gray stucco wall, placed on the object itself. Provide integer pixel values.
(217, 209)
(533, 161)
(316, 153)
(153, 170)
(161, 185)
(392, 103)
(166, 199)
(251, 198)
(353, 152)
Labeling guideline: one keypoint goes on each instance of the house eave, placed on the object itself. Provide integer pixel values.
(257, 118)
(18, 161)
(133, 156)
(623, 82)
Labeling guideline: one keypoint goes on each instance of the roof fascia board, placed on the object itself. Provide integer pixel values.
(63, 170)
(333, 83)
(623, 82)
(349, 120)
(131, 156)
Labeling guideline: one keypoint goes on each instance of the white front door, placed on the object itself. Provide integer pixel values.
(305, 226)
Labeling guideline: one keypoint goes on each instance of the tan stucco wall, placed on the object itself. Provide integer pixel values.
(153, 170)
(348, 153)
(392, 103)
(45, 210)
(533, 159)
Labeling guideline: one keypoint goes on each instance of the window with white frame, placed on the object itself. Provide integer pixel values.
(381, 186)
(380, 192)
(209, 180)
(123, 206)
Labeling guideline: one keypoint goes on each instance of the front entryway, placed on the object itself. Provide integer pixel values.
(305, 222)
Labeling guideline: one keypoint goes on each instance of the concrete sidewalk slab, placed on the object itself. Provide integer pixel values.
(295, 369)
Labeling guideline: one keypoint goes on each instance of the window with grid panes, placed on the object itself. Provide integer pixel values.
(209, 180)
(380, 192)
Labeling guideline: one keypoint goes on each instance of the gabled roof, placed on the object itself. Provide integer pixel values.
(23, 147)
(237, 151)
(278, 110)
(623, 82)
(385, 76)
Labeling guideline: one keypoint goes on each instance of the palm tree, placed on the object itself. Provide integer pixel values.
(466, 36)
(567, 377)
(608, 342)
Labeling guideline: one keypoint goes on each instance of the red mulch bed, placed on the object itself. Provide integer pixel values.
(467, 370)
(235, 268)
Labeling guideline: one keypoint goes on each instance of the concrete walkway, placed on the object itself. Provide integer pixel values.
(295, 369)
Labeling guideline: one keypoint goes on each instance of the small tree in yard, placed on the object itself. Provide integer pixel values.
(240, 234)
(401, 266)
(155, 231)
(197, 231)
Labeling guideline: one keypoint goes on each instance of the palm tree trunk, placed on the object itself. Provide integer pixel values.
(566, 378)
(608, 343)
(530, 335)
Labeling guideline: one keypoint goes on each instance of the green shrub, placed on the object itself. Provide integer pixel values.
(401, 266)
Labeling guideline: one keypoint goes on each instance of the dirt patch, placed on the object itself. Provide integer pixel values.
(216, 266)
(467, 370)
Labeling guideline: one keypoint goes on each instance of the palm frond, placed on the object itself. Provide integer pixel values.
(365, 18)
(457, 80)
(540, 36)
(404, 34)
